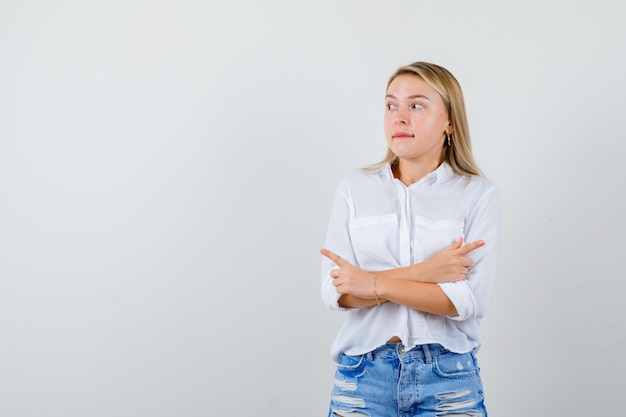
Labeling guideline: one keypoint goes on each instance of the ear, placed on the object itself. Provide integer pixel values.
(449, 128)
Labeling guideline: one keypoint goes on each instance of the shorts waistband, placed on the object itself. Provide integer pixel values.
(426, 351)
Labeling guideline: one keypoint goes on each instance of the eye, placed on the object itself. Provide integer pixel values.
(416, 106)
(391, 106)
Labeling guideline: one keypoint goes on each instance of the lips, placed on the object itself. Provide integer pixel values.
(402, 135)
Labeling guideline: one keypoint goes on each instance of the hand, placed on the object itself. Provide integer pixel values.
(449, 264)
(348, 279)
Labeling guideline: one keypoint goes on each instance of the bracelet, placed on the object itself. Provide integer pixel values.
(375, 293)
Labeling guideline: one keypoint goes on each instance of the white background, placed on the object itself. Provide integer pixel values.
(166, 173)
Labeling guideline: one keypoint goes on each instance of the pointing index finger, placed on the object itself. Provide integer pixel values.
(333, 257)
(471, 246)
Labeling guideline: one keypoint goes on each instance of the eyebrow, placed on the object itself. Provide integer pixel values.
(409, 97)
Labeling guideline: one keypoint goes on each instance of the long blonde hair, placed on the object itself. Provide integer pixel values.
(459, 154)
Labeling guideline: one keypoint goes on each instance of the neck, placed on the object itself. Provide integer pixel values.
(410, 172)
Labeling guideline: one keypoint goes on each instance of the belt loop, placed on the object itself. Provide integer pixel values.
(428, 356)
(370, 356)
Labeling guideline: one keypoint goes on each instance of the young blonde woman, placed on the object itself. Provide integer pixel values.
(397, 262)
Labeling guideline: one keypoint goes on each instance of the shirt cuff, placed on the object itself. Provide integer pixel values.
(461, 295)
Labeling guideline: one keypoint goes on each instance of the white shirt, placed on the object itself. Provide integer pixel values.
(378, 223)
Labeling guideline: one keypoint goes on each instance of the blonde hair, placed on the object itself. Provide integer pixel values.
(459, 154)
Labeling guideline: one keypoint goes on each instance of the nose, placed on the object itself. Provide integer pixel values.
(401, 116)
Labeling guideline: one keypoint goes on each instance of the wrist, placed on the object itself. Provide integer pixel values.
(381, 288)
(423, 271)
(375, 289)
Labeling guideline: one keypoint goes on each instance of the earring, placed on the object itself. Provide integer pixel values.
(448, 138)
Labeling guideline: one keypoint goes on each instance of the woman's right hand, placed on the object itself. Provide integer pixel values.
(448, 265)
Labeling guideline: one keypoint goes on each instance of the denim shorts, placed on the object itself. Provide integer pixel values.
(427, 380)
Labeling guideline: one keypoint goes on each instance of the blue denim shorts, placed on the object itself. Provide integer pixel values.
(427, 380)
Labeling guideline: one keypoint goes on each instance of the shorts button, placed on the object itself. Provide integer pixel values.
(401, 350)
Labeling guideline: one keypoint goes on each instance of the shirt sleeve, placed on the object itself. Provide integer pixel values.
(337, 241)
(472, 295)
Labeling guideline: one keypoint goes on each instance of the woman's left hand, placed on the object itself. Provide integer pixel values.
(348, 279)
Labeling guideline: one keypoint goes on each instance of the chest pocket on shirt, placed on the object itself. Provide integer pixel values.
(433, 235)
(374, 239)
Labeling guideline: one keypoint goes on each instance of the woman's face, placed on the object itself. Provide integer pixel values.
(416, 120)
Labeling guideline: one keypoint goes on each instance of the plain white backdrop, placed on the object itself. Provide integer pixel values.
(166, 173)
